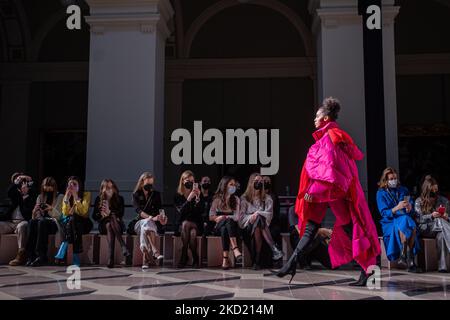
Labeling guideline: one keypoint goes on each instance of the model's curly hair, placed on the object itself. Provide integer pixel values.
(331, 107)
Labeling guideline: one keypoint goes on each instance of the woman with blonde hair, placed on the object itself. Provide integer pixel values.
(147, 203)
(432, 219)
(189, 206)
(256, 216)
(109, 209)
(75, 219)
(399, 228)
(44, 221)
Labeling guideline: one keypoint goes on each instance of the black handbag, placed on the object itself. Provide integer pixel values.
(132, 223)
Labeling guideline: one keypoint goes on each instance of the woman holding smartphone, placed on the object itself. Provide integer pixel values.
(147, 203)
(225, 210)
(75, 219)
(44, 221)
(432, 218)
(108, 212)
(190, 207)
(399, 228)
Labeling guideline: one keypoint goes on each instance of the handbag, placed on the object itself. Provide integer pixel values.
(437, 225)
(132, 223)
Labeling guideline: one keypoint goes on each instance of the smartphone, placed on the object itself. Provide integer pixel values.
(407, 198)
(441, 210)
(162, 213)
(195, 185)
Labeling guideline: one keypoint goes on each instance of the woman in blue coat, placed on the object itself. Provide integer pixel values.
(399, 228)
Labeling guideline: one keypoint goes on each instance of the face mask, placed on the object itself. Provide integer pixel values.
(392, 183)
(206, 186)
(148, 187)
(231, 189)
(188, 185)
(267, 185)
(109, 193)
(433, 194)
(257, 185)
(49, 195)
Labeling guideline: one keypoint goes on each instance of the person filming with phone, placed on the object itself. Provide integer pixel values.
(189, 206)
(397, 220)
(109, 208)
(432, 219)
(45, 221)
(15, 220)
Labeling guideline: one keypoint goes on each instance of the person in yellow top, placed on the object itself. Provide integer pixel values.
(75, 219)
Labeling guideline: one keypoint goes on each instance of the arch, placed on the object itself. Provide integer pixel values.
(43, 31)
(26, 32)
(284, 10)
(21, 33)
(179, 26)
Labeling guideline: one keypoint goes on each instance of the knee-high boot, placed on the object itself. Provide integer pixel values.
(308, 237)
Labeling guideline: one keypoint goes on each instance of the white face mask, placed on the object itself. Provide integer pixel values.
(231, 189)
(393, 183)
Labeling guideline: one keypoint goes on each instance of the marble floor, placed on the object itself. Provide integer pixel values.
(100, 283)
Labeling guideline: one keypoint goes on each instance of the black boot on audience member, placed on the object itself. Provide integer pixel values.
(411, 263)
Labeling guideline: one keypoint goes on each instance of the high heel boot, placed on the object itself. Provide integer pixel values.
(308, 237)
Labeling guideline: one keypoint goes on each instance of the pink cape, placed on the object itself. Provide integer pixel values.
(330, 165)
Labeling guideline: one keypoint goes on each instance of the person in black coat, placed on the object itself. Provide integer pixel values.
(109, 209)
(151, 218)
(190, 207)
(22, 197)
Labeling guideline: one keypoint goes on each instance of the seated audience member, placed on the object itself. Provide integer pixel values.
(45, 221)
(397, 220)
(225, 213)
(255, 218)
(150, 220)
(189, 207)
(22, 197)
(75, 220)
(109, 209)
(432, 219)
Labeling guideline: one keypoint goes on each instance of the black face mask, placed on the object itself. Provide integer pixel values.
(257, 185)
(188, 185)
(206, 186)
(148, 187)
(434, 194)
(49, 197)
(267, 185)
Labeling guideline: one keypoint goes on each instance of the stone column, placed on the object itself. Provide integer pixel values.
(389, 13)
(339, 38)
(126, 91)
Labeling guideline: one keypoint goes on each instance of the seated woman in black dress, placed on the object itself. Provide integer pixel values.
(108, 212)
(190, 207)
